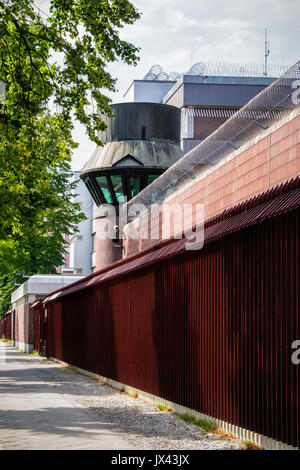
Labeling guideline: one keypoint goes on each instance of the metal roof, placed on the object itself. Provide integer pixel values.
(283, 203)
(151, 153)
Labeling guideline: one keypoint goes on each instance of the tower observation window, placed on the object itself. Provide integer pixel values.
(104, 186)
(134, 185)
(118, 187)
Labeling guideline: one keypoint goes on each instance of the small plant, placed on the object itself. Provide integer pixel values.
(223, 433)
(34, 353)
(202, 423)
(207, 425)
(251, 445)
(8, 341)
(164, 408)
(133, 395)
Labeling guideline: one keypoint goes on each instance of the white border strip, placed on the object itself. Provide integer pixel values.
(27, 348)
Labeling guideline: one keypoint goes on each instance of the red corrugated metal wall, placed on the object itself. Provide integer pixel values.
(6, 326)
(37, 315)
(211, 329)
(40, 328)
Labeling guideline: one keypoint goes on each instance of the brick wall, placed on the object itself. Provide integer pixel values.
(267, 163)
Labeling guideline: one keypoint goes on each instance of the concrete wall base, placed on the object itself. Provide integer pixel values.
(27, 348)
(240, 433)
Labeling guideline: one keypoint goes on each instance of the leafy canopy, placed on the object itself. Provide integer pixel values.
(53, 66)
(64, 56)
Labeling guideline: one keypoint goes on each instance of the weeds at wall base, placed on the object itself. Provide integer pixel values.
(8, 341)
(251, 446)
(202, 423)
(164, 408)
(34, 353)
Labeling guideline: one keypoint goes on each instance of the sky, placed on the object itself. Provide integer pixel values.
(178, 33)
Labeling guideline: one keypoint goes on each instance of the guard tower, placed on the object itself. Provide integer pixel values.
(141, 142)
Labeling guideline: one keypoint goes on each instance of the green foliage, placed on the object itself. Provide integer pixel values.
(164, 408)
(54, 70)
(37, 208)
(202, 423)
(249, 445)
(7, 286)
(8, 341)
(33, 353)
(63, 56)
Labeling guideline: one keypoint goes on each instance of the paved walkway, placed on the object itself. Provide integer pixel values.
(34, 415)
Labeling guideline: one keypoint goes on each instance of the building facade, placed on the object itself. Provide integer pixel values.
(79, 247)
(206, 101)
(21, 316)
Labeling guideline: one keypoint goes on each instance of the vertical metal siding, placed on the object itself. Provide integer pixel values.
(6, 326)
(40, 328)
(211, 330)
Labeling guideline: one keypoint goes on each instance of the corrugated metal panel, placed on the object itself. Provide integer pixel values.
(285, 202)
(210, 329)
(209, 112)
(40, 330)
(6, 325)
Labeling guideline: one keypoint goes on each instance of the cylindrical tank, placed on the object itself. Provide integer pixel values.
(142, 121)
(140, 136)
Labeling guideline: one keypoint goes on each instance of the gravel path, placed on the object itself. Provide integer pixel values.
(139, 424)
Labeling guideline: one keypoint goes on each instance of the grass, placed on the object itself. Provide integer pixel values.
(202, 423)
(33, 353)
(164, 408)
(6, 340)
(251, 445)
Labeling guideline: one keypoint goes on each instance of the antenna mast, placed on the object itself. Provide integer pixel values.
(267, 52)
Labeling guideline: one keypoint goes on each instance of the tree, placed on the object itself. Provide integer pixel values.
(84, 35)
(54, 70)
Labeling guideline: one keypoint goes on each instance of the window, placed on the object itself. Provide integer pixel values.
(134, 182)
(103, 184)
(91, 189)
(118, 187)
(152, 178)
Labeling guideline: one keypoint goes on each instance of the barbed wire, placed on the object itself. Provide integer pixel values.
(225, 69)
(250, 122)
